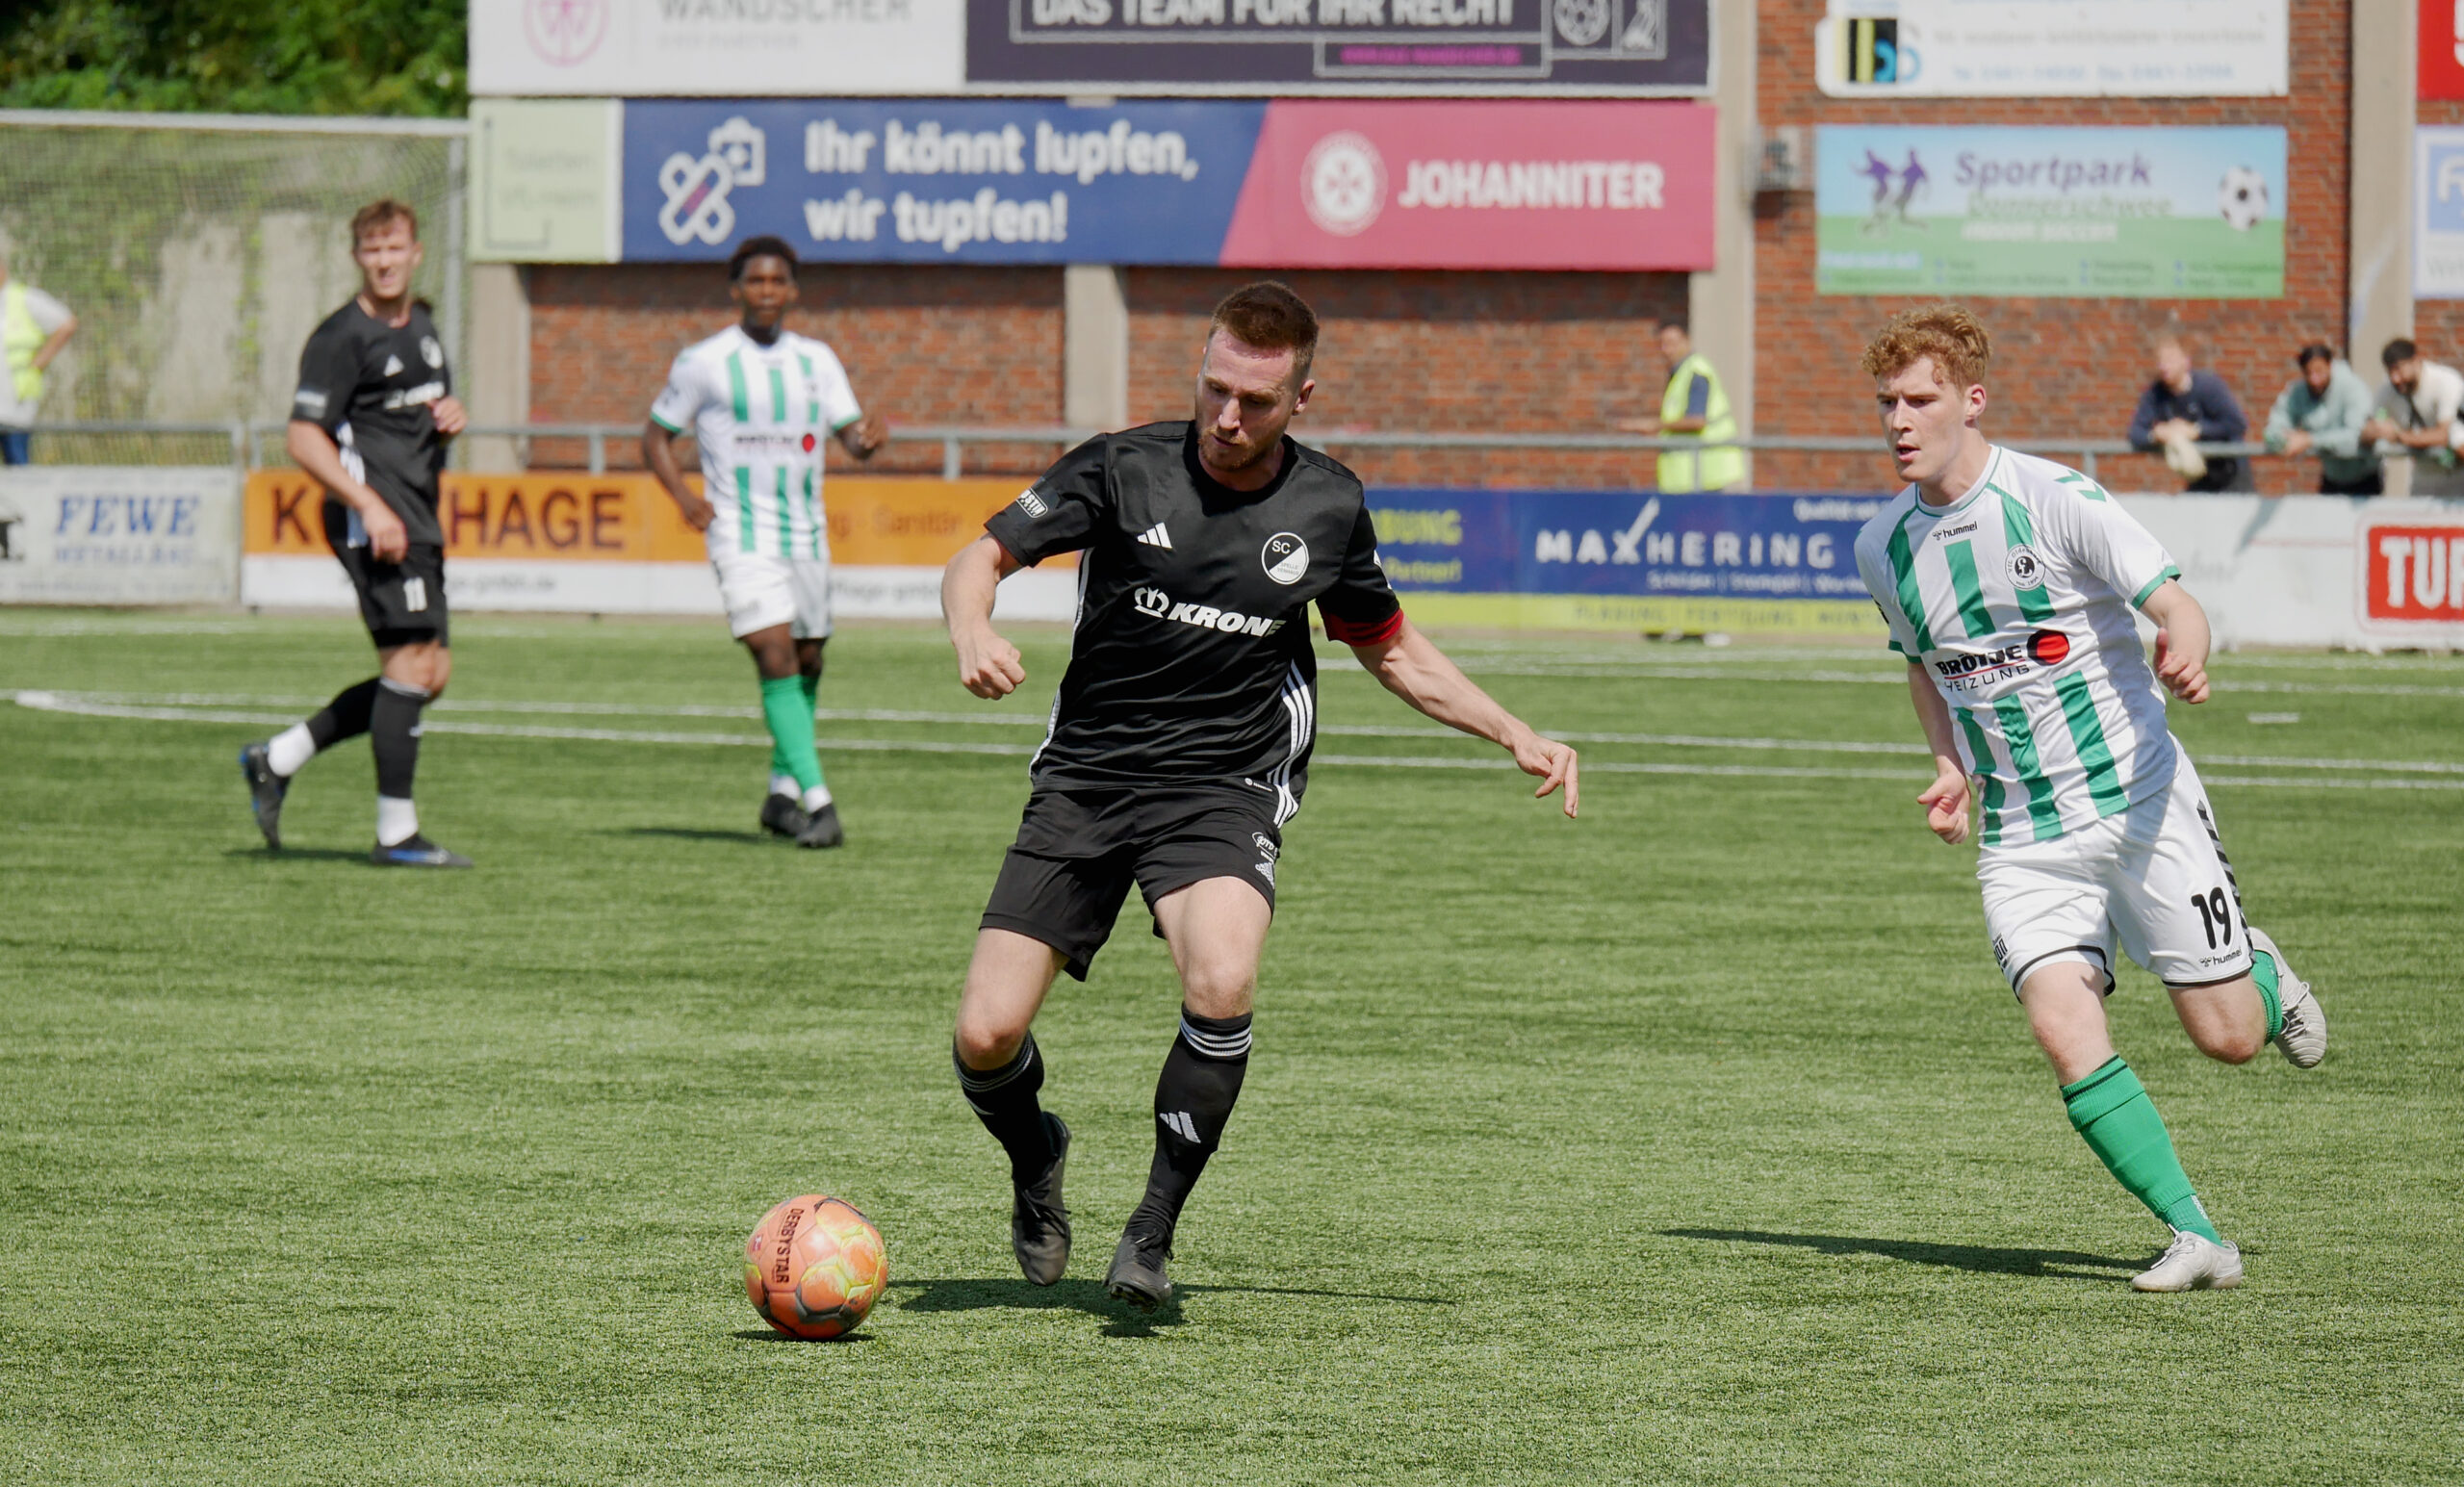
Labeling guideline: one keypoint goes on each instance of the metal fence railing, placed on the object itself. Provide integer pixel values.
(247, 443)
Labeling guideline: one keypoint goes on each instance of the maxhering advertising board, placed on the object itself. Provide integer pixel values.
(1486, 184)
(2087, 213)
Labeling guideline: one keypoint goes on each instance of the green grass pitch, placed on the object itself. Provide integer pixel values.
(1693, 1142)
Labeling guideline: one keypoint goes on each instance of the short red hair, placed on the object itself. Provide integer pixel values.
(1946, 332)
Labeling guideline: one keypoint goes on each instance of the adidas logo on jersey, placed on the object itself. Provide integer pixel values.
(1156, 538)
(392, 364)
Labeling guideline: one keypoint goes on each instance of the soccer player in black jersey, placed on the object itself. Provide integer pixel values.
(1179, 744)
(371, 420)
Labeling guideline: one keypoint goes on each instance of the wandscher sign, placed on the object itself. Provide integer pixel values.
(638, 48)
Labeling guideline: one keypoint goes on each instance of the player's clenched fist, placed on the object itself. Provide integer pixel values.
(1945, 803)
(2181, 670)
(989, 666)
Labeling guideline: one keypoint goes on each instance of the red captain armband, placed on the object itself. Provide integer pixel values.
(1364, 632)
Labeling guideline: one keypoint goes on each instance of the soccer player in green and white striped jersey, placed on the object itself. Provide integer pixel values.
(2009, 583)
(761, 399)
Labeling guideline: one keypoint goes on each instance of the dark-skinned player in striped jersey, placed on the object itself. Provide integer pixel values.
(1179, 745)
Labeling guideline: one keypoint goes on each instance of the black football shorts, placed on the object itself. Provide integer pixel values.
(1078, 852)
(402, 603)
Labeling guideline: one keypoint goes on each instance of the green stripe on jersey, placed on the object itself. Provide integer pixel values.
(2088, 736)
(2036, 606)
(2153, 585)
(778, 395)
(2087, 488)
(1903, 578)
(1971, 596)
(742, 400)
(744, 507)
(787, 516)
(2042, 813)
(812, 516)
(812, 389)
(1981, 749)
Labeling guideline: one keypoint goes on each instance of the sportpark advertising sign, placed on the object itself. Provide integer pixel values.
(1290, 183)
(2079, 48)
(2087, 213)
(762, 49)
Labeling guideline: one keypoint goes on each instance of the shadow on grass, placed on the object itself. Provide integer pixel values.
(692, 833)
(2059, 1263)
(774, 1335)
(957, 1294)
(296, 855)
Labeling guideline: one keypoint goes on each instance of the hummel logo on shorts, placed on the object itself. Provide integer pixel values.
(1156, 538)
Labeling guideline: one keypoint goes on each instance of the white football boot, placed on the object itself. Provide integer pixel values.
(2193, 1264)
(2304, 1041)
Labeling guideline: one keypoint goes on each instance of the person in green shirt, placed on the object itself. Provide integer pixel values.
(2323, 412)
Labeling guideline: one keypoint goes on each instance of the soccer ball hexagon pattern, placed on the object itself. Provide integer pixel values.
(814, 1266)
(2243, 197)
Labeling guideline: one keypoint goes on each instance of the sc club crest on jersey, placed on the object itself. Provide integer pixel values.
(2026, 572)
(1285, 558)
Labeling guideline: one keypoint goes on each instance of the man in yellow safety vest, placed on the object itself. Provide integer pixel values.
(32, 328)
(1694, 406)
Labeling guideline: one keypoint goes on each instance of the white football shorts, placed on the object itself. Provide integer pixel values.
(2153, 877)
(763, 589)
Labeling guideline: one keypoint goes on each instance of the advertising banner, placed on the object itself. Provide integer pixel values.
(2316, 570)
(614, 544)
(118, 535)
(2079, 213)
(2438, 213)
(2440, 72)
(1331, 46)
(704, 48)
(2029, 48)
(1626, 559)
(544, 180)
(1479, 185)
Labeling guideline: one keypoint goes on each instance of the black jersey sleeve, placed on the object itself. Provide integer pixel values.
(329, 375)
(1361, 608)
(1063, 511)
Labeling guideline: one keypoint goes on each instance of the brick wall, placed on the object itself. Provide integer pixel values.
(2063, 368)
(923, 344)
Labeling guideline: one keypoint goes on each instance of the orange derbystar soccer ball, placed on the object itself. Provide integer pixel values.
(814, 1267)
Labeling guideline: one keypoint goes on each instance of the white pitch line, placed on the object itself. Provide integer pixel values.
(91, 705)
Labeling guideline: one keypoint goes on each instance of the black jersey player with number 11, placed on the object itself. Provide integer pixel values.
(1179, 744)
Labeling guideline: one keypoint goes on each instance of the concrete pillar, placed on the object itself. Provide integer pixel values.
(496, 374)
(1720, 303)
(1094, 369)
(2379, 209)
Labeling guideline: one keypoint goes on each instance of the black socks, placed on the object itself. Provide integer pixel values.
(1004, 1099)
(344, 717)
(393, 734)
(1193, 1099)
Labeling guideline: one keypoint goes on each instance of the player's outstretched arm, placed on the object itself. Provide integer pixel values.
(1946, 800)
(2182, 640)
(1409, 665)
(865, 436)
(989, 666)
(314, 450)
(658, 454)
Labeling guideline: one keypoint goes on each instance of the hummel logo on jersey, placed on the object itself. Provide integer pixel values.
(1156, 538)
(1158, 604)
(1179, 1123)
(392, 364)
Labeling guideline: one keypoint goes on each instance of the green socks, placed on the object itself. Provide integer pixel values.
(786, 705)
(2263, 971)
(2111, 1111)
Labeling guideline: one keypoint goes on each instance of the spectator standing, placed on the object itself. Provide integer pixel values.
(2189, 405)
(2415, 419)
(1693, 405)
(2322, 412)
(34, 326)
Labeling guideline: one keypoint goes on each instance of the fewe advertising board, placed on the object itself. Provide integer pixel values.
(1398, 185)
(118, 535)
(2095, 213)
